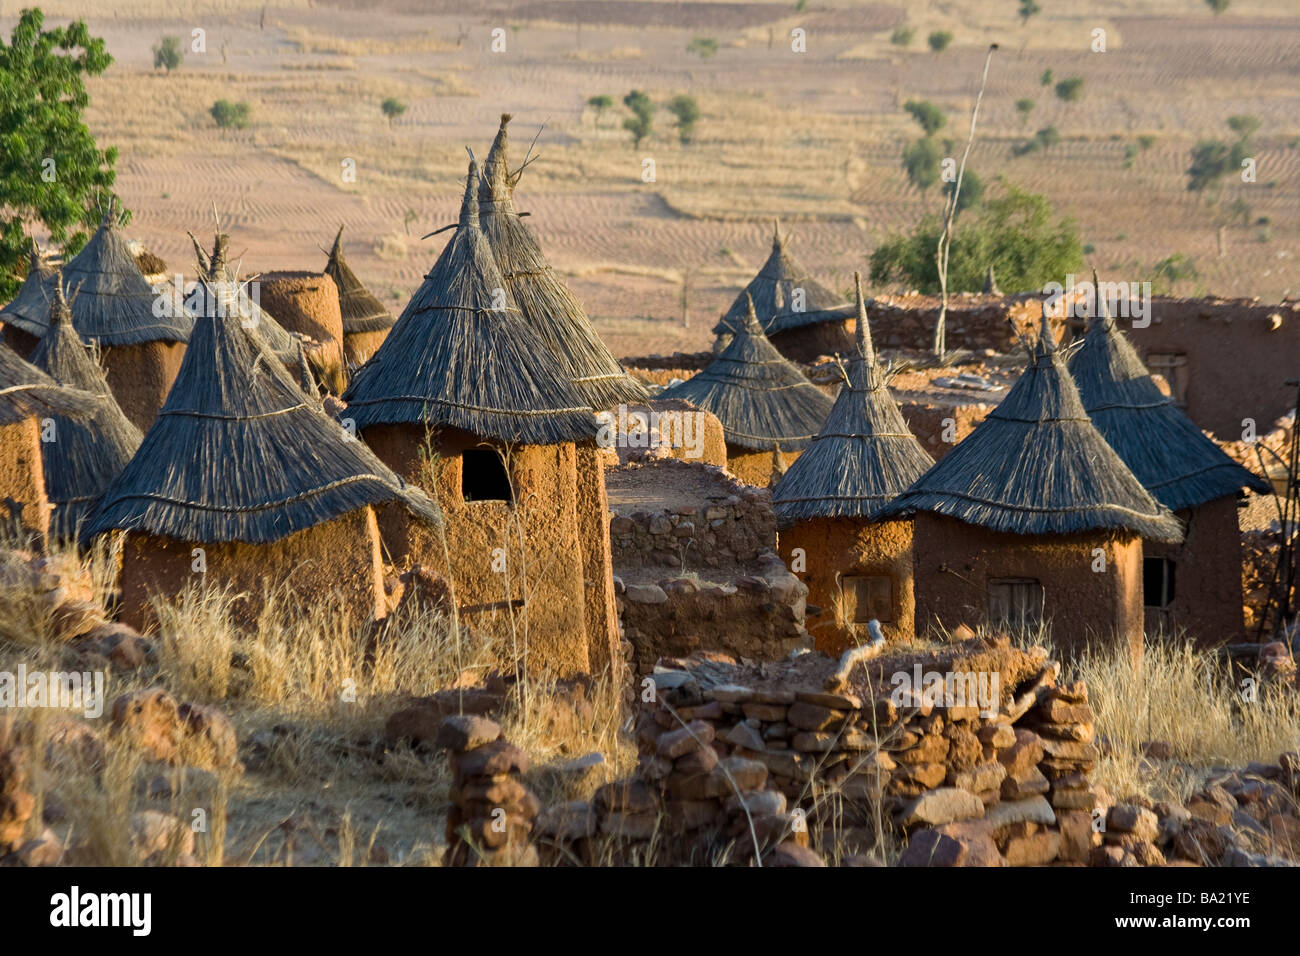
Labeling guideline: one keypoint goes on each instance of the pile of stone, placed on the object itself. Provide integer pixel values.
(199, 735)
(17, 802)
(490, 820)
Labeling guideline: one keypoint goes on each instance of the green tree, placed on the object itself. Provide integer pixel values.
(939, 40)
(687, 112)
(902, 36)
(600, 104)
(1244, 125)
(1028, 8)
(230, 115)
(1212, 159)
(929, 116)
(703, 47)
(1016, 232)
(641, 122)
(1218, 6)
(1070, 89)
(52, 172)
(1170, 271)
(168, 54)
(921, 162)
(1046, 78)
(1024, 107)
(972, 191)
(393, 108)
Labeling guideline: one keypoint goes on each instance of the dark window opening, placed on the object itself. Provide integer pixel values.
(867, 597)
(1015, 603)
(483, 476)
(1157, 582)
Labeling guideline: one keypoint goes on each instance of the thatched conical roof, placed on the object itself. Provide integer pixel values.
(761, 398)
(238, 453)
(114, 303)
(461, 355)
(1174, 460)
(26, 391)
(1037, 466)
(545, 302)
(772, 292)
(88, 452)
(863, 457)
(362, 312)
(29, 310)
(219, 291)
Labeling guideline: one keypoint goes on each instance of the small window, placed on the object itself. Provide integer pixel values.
(868, 596)
(483, 476)
(1172, 367)
(1157, 582)
(1015, 603)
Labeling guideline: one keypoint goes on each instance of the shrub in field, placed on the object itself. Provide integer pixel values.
(939, 40)
(392, 108)
(167, 54)
(230, 115)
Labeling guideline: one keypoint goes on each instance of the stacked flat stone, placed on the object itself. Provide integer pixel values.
(490, 820)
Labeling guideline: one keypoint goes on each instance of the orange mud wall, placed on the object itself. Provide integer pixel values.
(1262, 342)
(498, 551)
(954, 562)
(1208, 600)
(755, 467)
(836, 547)
(342, 555)
(599, 604)
(308, 302)
(359, 346)
(21, 341)
(140, 376)
(22, 479)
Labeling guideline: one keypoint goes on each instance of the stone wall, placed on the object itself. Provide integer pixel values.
(733, 527)
(758, 615)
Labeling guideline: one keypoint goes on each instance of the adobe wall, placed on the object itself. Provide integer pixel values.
(807, 343)
(954, 562)
(359, 346)
(974, 321)
(669, 437)
(308, 303)
(338, 556)
(498, 551)
(22, 479)
(1239, 353)
(599, 605)
(926, 420)
(21, 341)
(836, 547)
(755, 467)
(140, 376)
(1207, 601)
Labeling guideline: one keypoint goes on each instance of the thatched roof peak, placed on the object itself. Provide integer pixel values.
(90, 451)
(115, 304)
(863, 457)
(773, 293)
(239, 453)
(219, 292)
(29, 309)
(546, 303)
(362, 311)
(1173, 459)
(461, 355)
(760, 397)
(1036, 465)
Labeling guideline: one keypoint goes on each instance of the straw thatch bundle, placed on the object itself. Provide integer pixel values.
(772, 292)
(29, 310)
(362, 312)
(26, 392)
(462, 357)
(88, 451)
(545, 302)
(761, 398)
(115, 304)
(238, 453)
(1036, 465)
(219, 292)
(863, 457)
(1164, 449)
